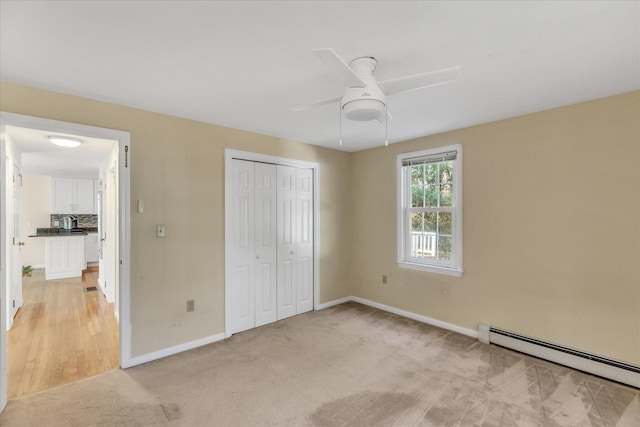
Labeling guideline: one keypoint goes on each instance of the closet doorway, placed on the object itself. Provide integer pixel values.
(270, 239)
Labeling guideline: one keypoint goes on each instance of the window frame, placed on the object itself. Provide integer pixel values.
(404, 260)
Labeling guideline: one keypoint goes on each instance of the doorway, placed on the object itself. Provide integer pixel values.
(118, 244)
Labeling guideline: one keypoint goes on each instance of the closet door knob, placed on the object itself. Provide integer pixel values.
(257, 256)
(291, 252)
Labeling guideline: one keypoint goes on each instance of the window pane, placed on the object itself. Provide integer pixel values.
(417, 220)
(417, 196)
(430, 222)
(446, 194)
(431, 196)
(444, 223)
(431, 173)
(444, 248)
(417, 174)
(417, 223)
(446, 172)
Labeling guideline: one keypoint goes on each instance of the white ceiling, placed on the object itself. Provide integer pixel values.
(41, 157)
(246, 64)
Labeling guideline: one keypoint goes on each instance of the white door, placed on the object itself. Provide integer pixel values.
(113, 291)
(101, 233)
(270, 257)
(286, 229)
(15, 302)
(110, 242)
(304, 240)
(265, 243)
(241, 245)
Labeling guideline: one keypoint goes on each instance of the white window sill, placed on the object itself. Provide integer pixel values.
(431, 268)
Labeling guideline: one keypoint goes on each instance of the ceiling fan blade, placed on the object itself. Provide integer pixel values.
(318, 103)
(419, 81)
(338, 67)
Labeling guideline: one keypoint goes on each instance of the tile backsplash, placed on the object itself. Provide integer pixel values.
(84, 221)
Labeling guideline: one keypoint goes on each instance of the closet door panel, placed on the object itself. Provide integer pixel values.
(286, 231)
(304, 242)
(266, 243)
(242, 248)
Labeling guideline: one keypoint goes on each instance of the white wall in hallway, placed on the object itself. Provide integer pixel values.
(36, 213)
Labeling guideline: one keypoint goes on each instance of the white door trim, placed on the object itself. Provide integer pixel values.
(265, 158)
(124, 165)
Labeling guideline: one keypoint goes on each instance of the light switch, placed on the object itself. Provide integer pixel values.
(140, 206)
(159, 230)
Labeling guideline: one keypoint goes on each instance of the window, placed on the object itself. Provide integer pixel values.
(430, 210)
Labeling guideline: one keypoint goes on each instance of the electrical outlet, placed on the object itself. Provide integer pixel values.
(384, 279)
(160, 231)
(191, 305)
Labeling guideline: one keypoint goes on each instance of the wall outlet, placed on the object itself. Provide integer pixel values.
(160, 231)
(384, 279)
(56, 223)
(191, 305)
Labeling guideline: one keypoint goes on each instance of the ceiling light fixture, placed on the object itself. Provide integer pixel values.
(65, 141)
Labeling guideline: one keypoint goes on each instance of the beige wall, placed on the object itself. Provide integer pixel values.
(551, 228)
(551, 222)
(35, 214)
(177, 169)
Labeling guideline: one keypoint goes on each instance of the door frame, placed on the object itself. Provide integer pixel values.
(124, 167)
(14, 270)
(230, 154)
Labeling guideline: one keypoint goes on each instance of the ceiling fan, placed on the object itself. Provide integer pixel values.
(365, 98)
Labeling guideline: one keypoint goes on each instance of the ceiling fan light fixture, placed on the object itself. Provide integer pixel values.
(363, 109)
(65, 141)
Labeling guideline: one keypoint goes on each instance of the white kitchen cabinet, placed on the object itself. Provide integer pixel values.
(92, 247)
(73, 196)
(65, 256)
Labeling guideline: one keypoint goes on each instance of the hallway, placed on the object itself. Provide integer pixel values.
(62, 334)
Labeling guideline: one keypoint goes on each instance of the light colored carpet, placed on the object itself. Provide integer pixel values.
(349, 365)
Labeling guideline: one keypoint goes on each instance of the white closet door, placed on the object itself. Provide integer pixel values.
(286, 214)
(242, 250)
(304, 240)
(265, 243)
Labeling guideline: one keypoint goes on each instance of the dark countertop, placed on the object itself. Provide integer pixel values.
(61, 232)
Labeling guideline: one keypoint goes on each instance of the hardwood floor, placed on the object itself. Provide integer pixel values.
(61, 334)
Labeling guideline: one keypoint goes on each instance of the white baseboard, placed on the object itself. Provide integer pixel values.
(420, 318)
(149, 357)
(138, 360)
(334, 302)
(62, 275)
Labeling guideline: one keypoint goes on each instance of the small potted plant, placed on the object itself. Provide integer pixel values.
(26, 270)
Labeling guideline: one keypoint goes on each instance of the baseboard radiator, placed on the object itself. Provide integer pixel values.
(591, 363)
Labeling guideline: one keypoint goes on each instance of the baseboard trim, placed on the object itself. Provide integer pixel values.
(334, 302)
(419, 317)
(62, 275)
(149, 357)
